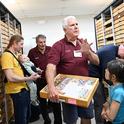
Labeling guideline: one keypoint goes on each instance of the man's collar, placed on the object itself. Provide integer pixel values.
(70, 42)
(38, 50)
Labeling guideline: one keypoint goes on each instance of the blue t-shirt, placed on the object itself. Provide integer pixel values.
(116, 93)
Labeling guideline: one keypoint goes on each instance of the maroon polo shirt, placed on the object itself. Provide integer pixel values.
(62, 55)
(39, 59)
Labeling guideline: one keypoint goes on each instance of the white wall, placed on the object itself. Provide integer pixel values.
(52, 28)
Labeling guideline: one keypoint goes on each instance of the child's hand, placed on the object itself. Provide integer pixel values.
(34, 76)
(39, 71)
(103, 112)
(104, 115)
(38, 76)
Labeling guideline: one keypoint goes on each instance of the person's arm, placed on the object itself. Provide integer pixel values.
(105, 107)
(12, 77)
(50, 75)
(93, 57)
(111, 112)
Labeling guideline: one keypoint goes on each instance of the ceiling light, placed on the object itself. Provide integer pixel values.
(41, 22)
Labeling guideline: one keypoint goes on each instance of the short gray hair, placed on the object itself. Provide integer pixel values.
(65, 21)
(40, 36)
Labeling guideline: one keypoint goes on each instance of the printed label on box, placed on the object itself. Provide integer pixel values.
(72, 101)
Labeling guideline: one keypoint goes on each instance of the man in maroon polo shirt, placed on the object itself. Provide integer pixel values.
(70, 55)
(38, 56)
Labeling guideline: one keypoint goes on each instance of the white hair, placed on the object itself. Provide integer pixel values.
(65, 21)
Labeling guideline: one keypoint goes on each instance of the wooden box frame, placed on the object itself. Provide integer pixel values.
(83, 102)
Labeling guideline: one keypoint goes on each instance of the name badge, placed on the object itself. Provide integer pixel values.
(77, 54)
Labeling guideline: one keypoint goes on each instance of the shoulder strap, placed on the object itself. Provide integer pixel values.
(23, 68)
(14, 56)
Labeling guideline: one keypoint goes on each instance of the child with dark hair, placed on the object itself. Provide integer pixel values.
(113, 109)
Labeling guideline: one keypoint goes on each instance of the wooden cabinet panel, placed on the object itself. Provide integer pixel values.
(112, 29)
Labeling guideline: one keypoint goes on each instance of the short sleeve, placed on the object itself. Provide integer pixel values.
(55, 54)
(6, 60)
(118, 96)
